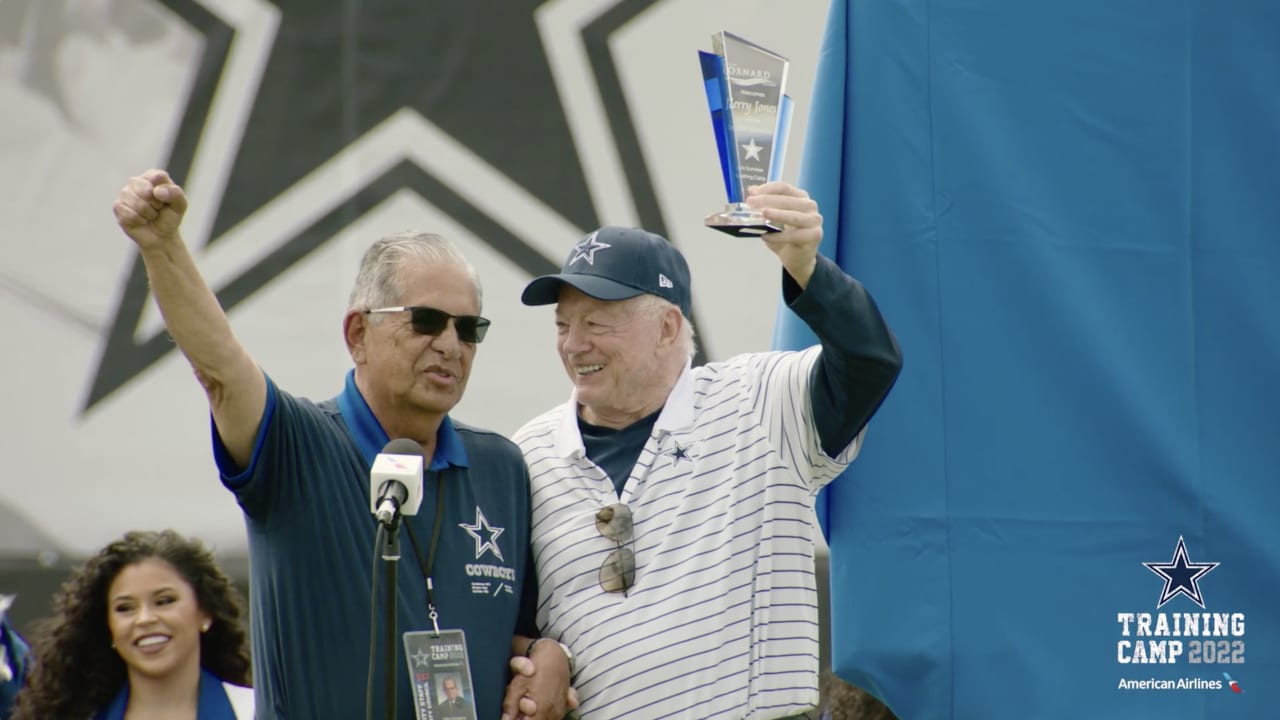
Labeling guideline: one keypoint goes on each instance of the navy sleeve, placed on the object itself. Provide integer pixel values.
(860, 357)
(296, 440)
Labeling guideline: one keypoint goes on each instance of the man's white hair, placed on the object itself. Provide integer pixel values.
(656, 306)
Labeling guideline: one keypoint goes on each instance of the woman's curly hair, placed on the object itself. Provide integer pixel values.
(75, 671)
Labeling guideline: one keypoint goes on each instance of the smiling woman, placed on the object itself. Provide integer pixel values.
(149, 627)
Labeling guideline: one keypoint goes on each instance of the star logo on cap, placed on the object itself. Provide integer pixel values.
(586, 250)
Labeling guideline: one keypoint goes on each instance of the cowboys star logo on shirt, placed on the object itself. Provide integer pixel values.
(485, 535)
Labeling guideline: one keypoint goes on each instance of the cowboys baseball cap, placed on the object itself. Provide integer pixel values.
(616, 263)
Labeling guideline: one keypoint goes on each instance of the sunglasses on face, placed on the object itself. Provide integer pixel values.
(619, 569)
(430, 321)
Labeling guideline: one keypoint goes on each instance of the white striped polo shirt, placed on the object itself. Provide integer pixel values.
(722, 621)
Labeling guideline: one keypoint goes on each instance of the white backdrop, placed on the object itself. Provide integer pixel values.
(141, 458)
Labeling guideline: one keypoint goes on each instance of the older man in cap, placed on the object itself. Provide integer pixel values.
(673, 505)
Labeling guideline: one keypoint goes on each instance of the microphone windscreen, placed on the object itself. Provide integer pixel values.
(403, 446)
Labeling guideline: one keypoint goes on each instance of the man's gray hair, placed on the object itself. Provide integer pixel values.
(379, 284)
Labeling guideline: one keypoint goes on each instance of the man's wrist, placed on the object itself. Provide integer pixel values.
(568, 654)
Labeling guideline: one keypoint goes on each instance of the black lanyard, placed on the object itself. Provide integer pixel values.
(426, 565)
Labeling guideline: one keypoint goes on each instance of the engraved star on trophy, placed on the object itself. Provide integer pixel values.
(751, 117)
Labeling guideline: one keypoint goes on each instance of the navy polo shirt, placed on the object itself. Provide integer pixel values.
(305, 497)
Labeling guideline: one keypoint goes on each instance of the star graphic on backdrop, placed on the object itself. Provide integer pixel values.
(1181, 576)
(679, 454)
(587, 249)
(420, 659)
(270, 114)
(485, 535)
(753, 150)
(266, 139)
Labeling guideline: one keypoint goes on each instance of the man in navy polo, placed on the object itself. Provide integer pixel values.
(300, 470)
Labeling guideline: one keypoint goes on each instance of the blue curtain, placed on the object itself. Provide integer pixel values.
(1069, 213)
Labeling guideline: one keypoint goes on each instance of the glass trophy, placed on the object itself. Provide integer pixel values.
(751, 117)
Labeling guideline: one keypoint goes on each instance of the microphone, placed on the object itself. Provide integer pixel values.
(395, 481)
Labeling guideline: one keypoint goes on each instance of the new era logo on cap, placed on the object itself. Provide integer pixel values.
(616, 263)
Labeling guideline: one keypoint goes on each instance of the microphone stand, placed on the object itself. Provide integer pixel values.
(390, 559)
